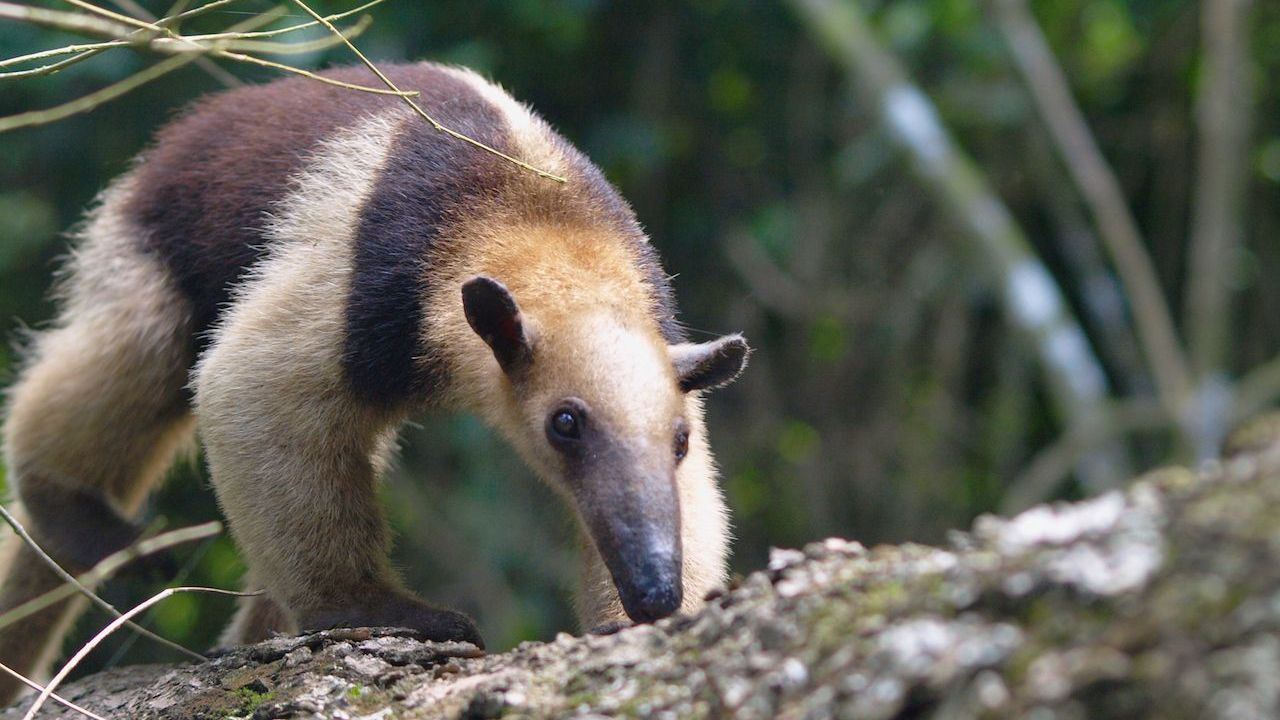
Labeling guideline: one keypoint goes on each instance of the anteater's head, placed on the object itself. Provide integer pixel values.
(598, 403)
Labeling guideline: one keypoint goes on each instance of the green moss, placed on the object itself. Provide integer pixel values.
(251, 700)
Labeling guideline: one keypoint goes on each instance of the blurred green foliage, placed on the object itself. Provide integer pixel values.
(888, 400)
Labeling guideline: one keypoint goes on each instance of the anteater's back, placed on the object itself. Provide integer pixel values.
(203, 193)
(202, 198)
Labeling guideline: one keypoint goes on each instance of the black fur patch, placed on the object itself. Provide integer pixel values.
(205, 187)
(77, 527)
(429, 181)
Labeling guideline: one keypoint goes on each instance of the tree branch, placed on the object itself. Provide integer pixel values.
(1222, 113)
(1102, 193)
(83, 590)
(1031, 298)
(68, 21)
(1049, 467)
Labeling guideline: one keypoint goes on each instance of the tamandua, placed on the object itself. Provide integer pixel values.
(295, 268)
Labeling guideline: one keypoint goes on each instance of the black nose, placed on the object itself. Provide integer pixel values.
(653, 601)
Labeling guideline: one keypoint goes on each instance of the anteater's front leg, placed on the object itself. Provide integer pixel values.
(295, 460)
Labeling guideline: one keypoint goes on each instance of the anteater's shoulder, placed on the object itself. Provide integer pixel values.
(200, 196)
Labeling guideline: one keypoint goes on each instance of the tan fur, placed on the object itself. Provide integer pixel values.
(294, 457)
(99, 405)
(555, 272)
(529, 132)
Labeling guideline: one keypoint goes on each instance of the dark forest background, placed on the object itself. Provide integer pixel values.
(989, 254)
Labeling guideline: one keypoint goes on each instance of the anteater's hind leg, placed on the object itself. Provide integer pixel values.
(93, 421)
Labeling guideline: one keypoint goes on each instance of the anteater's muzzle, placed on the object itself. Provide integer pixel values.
(648, 582)
(635, 524)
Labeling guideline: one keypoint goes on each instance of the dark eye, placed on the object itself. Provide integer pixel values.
(682, 444)
(565, 423)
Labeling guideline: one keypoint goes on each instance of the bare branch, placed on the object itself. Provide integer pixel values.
(251, 60)
(94, 99)
(304, 46)
(1101, 190)
(104, 633)
(108, 566)
(60, 20)
(418, 109)
(110, 15)
(292, 28)
(40, 688)
(1029, 294)
(210, 67)
(173, 20)
(85, 591)
(1222, 114)
(64, 50)
(173, 43)
(60, 65)
(1047, 470)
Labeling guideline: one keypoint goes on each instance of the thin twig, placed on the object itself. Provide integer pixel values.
(416, 108)
(109, 566)
(210, 67)
(143, 39)
(291, 28)
(172, 20)
(1101, 191)
(240, 57)
(231, 41)
(64, 50)
(195, 12)
(111, 627)
(191, 51)
(177, 8)
(94, 99)
(51, 67)
(111, 15)
(61, 20)
(40, 688)
(302, 46)
(83, 590)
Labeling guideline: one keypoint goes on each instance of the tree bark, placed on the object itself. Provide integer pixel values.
(1154, 602)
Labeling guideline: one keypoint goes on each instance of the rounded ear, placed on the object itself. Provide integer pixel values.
(494, 315)
(709, 365)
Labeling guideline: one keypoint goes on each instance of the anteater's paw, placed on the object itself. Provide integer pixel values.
(401, 611)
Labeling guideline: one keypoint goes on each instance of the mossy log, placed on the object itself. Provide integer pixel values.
(1159, 601)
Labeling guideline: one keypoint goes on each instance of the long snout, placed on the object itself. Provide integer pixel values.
(635, 525)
